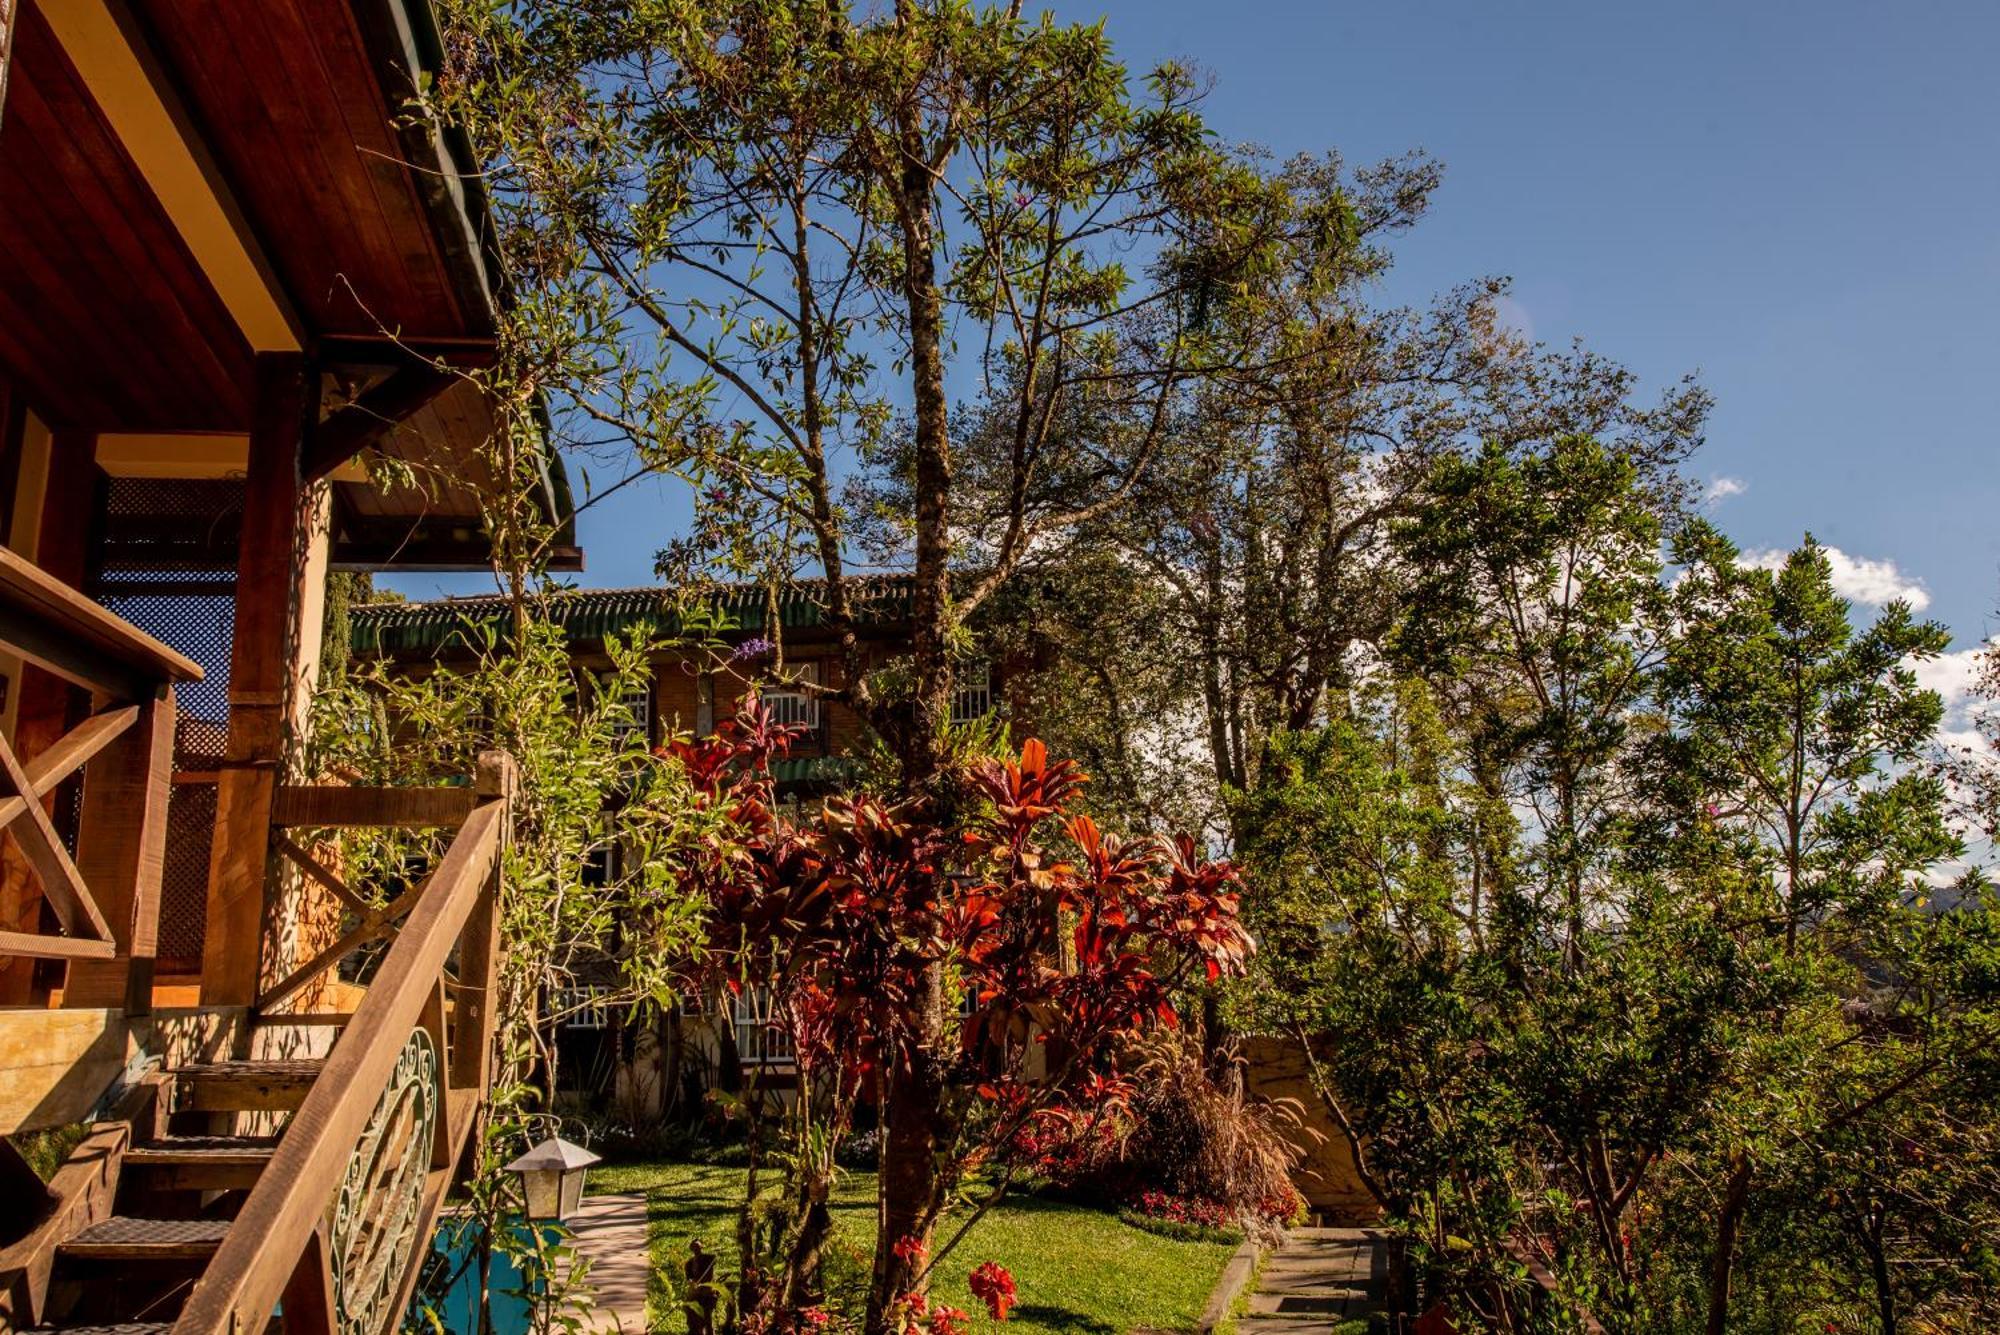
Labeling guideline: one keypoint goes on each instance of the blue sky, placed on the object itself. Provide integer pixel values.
(1801, 203)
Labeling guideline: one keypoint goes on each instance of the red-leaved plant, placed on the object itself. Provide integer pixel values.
(845, 913)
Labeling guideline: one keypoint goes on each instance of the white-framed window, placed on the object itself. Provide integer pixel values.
(760, 1039)
(581, 1007)
(972, 694)
(604, 861)
(634, 713)
(789, 705)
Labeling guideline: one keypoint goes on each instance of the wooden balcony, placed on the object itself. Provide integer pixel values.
(106, 899)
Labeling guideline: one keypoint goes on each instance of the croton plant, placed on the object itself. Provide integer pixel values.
(1059, 942)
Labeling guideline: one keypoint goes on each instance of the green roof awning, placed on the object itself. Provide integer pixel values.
(586, 615)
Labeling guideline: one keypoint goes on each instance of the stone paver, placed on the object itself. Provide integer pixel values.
(611, 1231)
(1320, 1278)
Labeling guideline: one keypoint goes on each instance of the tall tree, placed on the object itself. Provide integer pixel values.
(1259, 543)
(755, 239)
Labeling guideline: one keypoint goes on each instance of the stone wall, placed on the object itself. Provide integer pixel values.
(1275, 1068)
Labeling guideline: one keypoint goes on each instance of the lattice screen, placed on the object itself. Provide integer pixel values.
(169, 568)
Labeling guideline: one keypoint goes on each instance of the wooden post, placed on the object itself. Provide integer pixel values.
(479, 944)
(280, 576)
(121, 852)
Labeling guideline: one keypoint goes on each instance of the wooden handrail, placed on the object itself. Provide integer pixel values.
(284, 1218)
(55, 627)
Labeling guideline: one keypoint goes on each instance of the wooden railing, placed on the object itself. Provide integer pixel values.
(338, 1225)
(107, 898)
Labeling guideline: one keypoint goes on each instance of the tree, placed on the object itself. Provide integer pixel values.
(1605, 907)
(751, 237)
(1061, 961)
(1797, 752)
(1259, 543)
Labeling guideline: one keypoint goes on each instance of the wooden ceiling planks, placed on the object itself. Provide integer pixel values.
(292, 106)
(431, 441)
(104, 313)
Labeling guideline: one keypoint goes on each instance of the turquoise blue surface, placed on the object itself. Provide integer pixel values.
(455, 1250)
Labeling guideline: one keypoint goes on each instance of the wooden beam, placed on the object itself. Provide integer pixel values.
(36, 946)
(44, 849)
(375, 924)
(186, 454)
(8, 10)
(331, 807)
(41, 702)
(476, 1005)
(110, 51)
(374, 414)
(430, 545)
(75, 747)
(319, 872)
(122, 852)
(362, 350)
(264, 681)
(70, 635)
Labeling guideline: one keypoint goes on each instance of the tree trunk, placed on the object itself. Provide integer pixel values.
(914, 1140)
(1878, 1269)
(1720, 1264)
(914, 1135)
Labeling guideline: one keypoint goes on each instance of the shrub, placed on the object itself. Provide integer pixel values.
(1186, 1149)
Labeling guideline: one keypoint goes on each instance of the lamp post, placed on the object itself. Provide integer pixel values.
(552, 1178)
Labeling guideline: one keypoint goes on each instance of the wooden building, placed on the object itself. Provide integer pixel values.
(239, 289)
(710, 652)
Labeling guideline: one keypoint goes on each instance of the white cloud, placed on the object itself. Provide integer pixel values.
(1951, 675)
(1721, 489)
(1858, 579)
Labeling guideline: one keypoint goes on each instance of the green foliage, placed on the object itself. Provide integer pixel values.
(1611, 905)
(588, 784)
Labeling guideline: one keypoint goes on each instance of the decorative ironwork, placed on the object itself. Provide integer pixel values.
(380, 1205)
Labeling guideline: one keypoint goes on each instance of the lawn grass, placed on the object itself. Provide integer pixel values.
(1076, 1269)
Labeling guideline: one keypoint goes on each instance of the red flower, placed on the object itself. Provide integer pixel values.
(911, 1250)
(992, 1285)
(947, 1320)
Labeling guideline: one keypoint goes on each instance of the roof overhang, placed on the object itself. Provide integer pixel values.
(166, 224)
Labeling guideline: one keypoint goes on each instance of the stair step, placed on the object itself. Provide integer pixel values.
(276, 1086)
(124, 1238)
(120, 1328)
(202, 1163)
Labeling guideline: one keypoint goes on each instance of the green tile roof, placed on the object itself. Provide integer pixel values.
(815, 769)
(593, 614)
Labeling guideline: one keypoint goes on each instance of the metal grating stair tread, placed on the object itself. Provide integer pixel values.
(202, 1149)
(245, 1086)
(126, 1238)
(120, 1328)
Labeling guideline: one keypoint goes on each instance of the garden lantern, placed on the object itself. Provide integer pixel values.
(552, 1178)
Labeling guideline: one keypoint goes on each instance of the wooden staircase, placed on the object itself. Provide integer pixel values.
(248, 1196)
(172, 1191)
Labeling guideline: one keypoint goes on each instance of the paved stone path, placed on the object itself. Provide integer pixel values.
(611, 1231)
(1320, 1278)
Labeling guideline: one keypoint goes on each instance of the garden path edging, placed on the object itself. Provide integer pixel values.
(1229, 1285)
